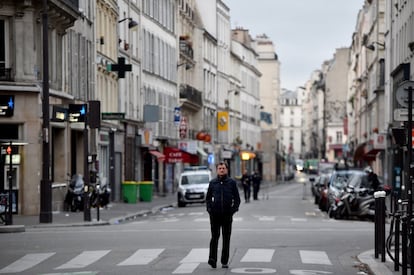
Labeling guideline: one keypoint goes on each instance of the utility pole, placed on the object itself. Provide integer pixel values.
(45, 184)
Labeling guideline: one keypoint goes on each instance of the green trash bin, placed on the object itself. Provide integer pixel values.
(129, 191)
(145, 190)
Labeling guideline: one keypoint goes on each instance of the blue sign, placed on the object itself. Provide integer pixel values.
(210, 158)
(177, 115)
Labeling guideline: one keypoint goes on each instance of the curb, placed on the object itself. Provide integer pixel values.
(375, 266)
(12, 228)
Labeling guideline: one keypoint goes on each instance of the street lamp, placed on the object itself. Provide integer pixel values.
(131, 24)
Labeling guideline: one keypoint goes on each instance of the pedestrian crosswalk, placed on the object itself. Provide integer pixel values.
(187, 262)
(203, 217)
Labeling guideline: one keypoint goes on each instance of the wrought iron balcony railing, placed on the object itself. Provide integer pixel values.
(191, 96)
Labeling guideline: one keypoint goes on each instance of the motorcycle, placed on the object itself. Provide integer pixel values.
(359, 203)
(100, 193)
(74, 195)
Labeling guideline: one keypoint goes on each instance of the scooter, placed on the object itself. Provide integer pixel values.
(359, 203)
(74, 195)
(101, 193)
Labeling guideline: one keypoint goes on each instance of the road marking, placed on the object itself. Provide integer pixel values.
(258, 255)
(298, 219)
(141, 257)
(26, 262)
(267, 218)
(314, 257)
(84, 259)
(202, 220)
(193, 259)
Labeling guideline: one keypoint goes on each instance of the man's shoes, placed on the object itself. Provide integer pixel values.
(225, 266)
(212, 263)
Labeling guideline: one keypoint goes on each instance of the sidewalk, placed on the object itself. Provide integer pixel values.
(115, 213)
(120, 212)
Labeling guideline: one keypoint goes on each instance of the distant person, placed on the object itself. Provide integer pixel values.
(372, 178)
(246, 183)
(222, 202)
(256, 181)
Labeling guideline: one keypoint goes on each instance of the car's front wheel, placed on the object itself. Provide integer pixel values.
(180, 202)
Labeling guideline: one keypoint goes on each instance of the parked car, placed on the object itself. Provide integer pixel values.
(337, 182)
(192, 185)
(311, 166)
(317, 187)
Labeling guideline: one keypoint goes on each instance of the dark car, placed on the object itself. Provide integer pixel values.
(318, 190)
(339, 179)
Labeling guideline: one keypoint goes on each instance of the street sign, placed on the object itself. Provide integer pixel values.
(113, 116)
(401, 114)
(401, 94)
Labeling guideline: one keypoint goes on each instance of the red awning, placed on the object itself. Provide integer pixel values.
(158, 155)
(175, 155)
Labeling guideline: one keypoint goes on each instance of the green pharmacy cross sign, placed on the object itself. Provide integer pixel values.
(121, 67)
(6, 105)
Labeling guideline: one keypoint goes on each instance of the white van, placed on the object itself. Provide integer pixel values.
(193, 185)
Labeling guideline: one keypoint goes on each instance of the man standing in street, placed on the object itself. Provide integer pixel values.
(256, 180)
(222, 202)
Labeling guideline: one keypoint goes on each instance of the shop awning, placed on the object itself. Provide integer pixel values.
(158, 155)
(176, 155)
(360, 152)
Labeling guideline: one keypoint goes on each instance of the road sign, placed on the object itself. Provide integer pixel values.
(402, 114)
(401, 94)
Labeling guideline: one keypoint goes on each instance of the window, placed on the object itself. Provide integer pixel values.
(5, 70)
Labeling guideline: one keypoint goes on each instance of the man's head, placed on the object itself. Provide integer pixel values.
(221, 168)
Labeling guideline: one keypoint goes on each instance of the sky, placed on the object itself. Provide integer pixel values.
(305, 33)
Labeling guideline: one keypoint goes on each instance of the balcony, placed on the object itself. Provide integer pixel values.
(190, 97)
(6, 74)
(186, 47)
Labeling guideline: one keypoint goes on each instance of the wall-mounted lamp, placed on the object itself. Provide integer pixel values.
(100, 40)
(131, 24)
(411, 46)
(372, 45)
(236, 92)
(187, 65)
(259, 106)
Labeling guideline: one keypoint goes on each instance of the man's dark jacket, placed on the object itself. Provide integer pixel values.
(222, 196)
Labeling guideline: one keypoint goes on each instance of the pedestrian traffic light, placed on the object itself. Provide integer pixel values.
(9, 150)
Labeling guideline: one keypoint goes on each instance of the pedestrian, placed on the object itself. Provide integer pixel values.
(256, 181)
(222, 202)
(246, 183)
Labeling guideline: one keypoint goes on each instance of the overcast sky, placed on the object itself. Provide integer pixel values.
(305, 32)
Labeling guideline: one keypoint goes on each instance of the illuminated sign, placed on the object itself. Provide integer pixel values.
(77, 112)
(6, 105)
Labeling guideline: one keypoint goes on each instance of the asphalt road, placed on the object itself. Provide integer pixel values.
(282, 233)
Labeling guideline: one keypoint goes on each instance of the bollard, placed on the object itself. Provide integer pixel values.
(380, 224)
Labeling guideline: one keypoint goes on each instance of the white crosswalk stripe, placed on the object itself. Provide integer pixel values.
(258, 255)
(26, 262)
(84, 259)
(314, 257)
(192, 261)
(142, 257)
